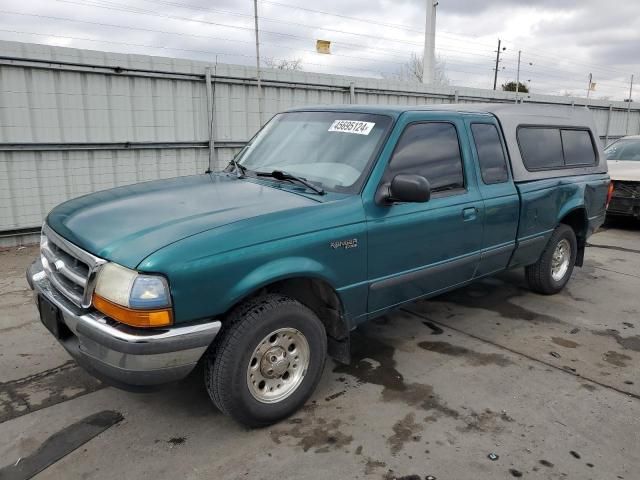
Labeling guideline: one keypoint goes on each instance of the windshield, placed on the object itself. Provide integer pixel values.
(628, 149)
(330, 149)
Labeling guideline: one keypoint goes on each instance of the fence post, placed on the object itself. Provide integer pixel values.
(210, 103)
(606, 134)
(352, 93)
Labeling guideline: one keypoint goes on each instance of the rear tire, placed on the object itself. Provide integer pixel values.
(268, 360)
(553, 269)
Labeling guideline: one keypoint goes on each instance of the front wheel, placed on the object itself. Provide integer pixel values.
(553, 269)
(268, 361)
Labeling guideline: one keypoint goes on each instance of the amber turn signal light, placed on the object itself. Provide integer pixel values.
(612, 187)
(134, 318)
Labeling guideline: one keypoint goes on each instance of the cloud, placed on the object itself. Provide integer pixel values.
(564, 40)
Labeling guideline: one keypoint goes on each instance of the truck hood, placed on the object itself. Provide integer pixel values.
(127, 224)
(624, 170)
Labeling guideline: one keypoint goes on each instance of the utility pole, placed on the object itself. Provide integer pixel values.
(518, 76)
(258, 72)
(495, 74)
(629, 105)
(589, 86)
(429, 57)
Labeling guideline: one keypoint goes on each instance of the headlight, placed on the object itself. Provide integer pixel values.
(133, 298)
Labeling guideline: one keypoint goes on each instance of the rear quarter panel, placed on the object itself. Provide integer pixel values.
(544, 203)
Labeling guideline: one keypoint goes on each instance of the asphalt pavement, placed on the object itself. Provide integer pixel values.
(490, 381)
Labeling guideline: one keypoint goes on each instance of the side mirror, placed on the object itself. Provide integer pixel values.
(409, 188)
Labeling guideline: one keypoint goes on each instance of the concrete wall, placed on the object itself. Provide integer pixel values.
(77, 121)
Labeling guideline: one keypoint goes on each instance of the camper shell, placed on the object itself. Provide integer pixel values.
(512, 118)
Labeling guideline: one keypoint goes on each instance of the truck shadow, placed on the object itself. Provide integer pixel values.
(173, 397)
(622, 223)
(497, 294)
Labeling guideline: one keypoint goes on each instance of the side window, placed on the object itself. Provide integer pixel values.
(541, 148)
(493, 164)
(578, 147)
(429, 149)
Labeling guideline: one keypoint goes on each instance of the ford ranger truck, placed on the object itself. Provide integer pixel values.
(327, 218)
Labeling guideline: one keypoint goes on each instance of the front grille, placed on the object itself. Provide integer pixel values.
(627, 189)
(70, 269)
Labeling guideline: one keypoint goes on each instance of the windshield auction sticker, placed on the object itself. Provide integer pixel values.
(352, 126)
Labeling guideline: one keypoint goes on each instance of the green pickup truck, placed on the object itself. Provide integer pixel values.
(327, 218)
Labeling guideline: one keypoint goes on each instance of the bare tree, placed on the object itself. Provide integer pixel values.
(411, 71)
(284, 64)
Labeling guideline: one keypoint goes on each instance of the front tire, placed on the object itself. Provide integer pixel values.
(553, 269)
(268, 360)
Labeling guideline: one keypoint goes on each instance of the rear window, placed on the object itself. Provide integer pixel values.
(541, 148)
(546, 148)
(578, 148)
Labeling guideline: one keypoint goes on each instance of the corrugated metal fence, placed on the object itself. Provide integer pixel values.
(77, 121)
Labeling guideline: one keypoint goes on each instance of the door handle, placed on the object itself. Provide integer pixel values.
(469, 214)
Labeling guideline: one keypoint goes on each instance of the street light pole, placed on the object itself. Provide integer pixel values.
(518, 76)
(429, 58)
(258, 72)
(629, 105)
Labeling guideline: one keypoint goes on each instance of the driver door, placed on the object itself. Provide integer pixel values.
(418, 249)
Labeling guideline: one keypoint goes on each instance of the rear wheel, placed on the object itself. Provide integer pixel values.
(268, 361)
(553, 269)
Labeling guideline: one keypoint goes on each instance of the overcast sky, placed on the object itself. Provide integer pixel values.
(563, 40)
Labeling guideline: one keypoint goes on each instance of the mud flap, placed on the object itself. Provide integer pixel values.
(580, 255)
(340, 350)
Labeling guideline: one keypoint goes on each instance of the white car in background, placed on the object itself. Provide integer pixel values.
(623, 159)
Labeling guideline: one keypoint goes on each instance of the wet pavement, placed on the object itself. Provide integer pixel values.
(489, 381)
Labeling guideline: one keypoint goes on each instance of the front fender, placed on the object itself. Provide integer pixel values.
(205, 286)
(277, 270)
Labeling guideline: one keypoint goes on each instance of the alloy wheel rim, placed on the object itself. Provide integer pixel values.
(560, 260)
(278, 365)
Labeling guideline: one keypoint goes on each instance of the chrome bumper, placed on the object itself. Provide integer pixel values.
(123, 356)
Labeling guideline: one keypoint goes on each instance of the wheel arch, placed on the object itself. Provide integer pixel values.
(317, 294)
(577, 219)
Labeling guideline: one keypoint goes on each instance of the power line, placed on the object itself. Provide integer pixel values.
(206, 22)
(116, 5)
(460, 57)
(369, 21)
(119, 7)
(209, 37)
(129, 44)
(286, 22)
(556, 58)
(162, 47)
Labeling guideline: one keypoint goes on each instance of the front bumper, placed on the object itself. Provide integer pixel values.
(123, 356)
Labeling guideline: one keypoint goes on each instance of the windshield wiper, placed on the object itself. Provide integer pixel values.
(280, 175)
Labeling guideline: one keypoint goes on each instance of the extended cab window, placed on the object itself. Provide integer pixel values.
(554, 147)
(431, 150)
(493, 164)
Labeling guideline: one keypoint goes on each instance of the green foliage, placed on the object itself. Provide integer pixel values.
(511, 87)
